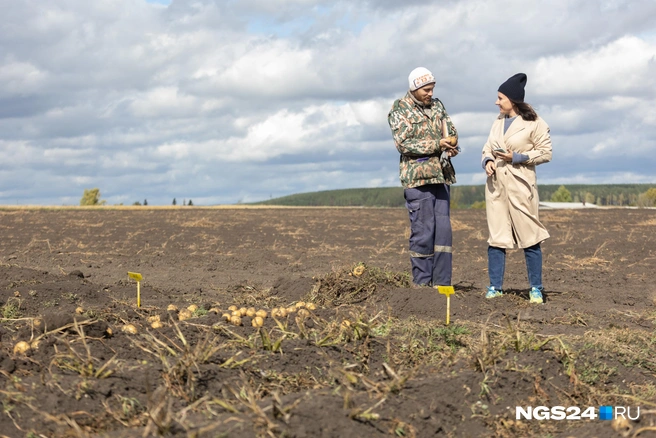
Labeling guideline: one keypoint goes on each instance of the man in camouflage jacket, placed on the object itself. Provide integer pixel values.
(426, 139)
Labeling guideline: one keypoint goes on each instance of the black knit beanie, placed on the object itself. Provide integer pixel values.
(513, 88)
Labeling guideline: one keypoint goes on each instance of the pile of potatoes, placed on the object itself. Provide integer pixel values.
(235, 314)
(183, 314)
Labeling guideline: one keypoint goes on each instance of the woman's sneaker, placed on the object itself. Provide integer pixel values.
(492, 292)
(536, 295)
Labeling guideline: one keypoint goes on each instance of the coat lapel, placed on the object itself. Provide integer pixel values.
(501, 140)
(516, 126)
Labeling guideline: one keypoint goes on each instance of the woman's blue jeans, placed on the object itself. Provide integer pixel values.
(496, 265)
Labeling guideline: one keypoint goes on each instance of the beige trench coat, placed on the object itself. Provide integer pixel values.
(511, 193)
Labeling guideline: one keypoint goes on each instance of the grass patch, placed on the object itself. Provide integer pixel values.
(11, 309)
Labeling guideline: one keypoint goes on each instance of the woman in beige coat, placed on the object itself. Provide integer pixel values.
(519, 140)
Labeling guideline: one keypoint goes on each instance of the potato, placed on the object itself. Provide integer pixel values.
(79, 310)
(232, 308)
(250, 312)
(235, 320)
(152, 319)
(257, 321)
(243, 311)
(226, 316)
(172, 308)
(184, 314)
(21, 347)
(311, 306)
(156, 324)
(300, 304)
(130, 329)
(621, 424)
(261, 313)
(192, 308)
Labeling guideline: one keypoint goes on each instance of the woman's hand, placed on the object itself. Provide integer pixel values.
(505, 156)
(490, 167)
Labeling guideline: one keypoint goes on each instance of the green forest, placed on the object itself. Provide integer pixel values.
(640, 195)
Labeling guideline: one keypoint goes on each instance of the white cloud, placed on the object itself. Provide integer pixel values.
(624, 66)
(164, 101)
(370, 112)
(21, 78)
(473, 123)
(198, 97)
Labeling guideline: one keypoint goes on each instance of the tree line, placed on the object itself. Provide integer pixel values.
(91, 197)
(640, 195)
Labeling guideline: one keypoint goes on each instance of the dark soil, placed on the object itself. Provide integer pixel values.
(374, 358)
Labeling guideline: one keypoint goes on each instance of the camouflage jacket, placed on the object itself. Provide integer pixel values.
(417, 138)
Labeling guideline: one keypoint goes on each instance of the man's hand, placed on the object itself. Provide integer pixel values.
(445, 145)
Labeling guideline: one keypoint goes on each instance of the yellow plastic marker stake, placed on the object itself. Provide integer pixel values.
(448, 291)
(136, 276)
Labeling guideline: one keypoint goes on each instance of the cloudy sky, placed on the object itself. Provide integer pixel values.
(227, 101)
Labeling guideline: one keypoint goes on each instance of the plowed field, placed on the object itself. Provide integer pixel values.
(346, 349)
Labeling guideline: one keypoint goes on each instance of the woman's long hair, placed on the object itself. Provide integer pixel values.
(525, 110)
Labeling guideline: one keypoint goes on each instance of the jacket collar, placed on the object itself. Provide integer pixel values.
(517, 125)
(414, 102)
